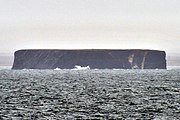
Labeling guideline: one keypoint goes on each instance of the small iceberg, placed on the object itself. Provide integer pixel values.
(77, 67)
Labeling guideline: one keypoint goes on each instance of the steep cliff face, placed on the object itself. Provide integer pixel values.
(101, 59)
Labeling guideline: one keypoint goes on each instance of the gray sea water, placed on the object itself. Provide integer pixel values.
(89, 94)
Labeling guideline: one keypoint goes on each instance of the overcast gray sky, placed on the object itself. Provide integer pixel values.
(89, 24)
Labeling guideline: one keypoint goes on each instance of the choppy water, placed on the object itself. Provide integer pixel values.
(89, 94)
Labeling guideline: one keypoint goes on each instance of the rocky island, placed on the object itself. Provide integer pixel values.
(94, 58)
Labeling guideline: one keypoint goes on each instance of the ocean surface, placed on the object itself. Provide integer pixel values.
(89, 94)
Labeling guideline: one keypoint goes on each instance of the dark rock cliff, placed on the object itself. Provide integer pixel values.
(101, 59)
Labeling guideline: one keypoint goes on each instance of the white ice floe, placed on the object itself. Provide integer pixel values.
(57, 69)
(5, 67)
(116, 69)
(173, 67)
(77, 67)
